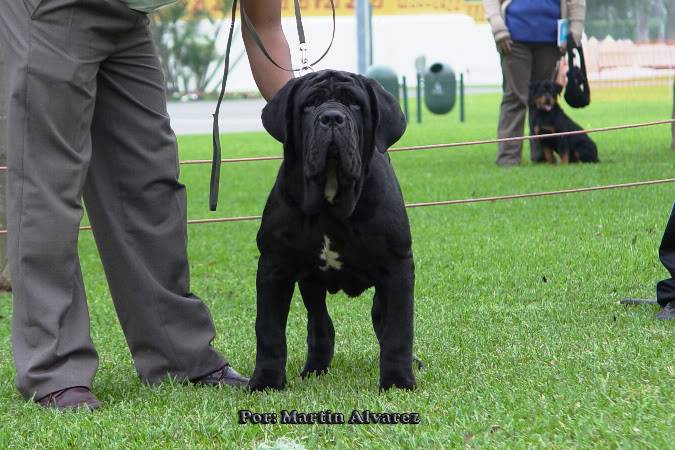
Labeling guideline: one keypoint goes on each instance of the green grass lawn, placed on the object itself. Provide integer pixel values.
(516, 307)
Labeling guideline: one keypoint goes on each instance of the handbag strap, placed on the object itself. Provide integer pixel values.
(571, 45)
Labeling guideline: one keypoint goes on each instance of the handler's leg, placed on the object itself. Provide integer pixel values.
(51, 103)
(544, 60)
(138, 211)
(516, 68)
(5, 280)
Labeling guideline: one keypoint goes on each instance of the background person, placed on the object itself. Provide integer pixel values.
(526, 35)
(87, 117)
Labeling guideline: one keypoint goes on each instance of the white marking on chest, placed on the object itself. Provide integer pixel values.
(329, 256)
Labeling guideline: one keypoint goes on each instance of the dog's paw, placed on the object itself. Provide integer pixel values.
(400, 381)
(260, 382)
(313, 369)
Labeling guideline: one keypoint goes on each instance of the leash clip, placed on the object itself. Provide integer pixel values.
(304, 59)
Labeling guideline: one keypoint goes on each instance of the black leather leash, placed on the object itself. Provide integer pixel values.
(215, 166)
(216, 162)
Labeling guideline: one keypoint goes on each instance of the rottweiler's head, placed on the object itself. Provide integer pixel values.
(544, 95)
(331, 123)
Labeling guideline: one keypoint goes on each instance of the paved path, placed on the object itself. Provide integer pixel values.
(242, 115)
(197, 117)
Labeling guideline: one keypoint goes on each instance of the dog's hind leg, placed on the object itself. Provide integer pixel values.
(320, 330)
(274, 292)
(393, 311)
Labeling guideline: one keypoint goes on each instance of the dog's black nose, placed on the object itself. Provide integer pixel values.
(332, 117)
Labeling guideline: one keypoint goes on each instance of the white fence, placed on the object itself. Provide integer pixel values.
(457, 40)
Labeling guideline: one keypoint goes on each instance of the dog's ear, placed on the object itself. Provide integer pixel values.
(557, 89)
(277, 115)
(389, 122)
(533, 86)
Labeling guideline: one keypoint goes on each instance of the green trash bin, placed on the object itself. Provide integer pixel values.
(440, 88)
(387, 78)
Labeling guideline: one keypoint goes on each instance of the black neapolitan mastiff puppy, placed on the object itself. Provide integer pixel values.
(335, 220)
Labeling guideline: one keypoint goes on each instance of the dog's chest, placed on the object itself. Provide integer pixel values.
(343, 262)
(329, 258)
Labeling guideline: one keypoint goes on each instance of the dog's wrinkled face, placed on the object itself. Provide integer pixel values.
(544, 95)
(331, 123)
(333, 127)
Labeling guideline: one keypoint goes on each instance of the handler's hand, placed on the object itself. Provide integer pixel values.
(563, 49)
(561, 76)
(504, 46)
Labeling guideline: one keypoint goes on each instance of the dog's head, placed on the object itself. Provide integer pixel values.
(331, 123)
(544, 95)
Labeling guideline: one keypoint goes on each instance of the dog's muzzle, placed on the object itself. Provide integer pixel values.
(545, 103)
(333, 158)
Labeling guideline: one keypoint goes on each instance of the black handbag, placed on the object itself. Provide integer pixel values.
(577, 92)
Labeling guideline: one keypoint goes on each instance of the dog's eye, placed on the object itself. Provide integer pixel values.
(353, 103)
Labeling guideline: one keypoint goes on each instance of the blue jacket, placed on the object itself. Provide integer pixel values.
(533, 21)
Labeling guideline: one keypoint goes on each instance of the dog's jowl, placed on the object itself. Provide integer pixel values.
(335, 220)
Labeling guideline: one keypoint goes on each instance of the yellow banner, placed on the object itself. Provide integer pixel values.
(473, 8)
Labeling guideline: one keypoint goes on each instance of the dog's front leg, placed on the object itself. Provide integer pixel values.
(274, 292)
(549, 156)
(320, 330)
(393, 314)
(564, 146)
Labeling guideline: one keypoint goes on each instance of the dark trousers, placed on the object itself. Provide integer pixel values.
(665, 290)
(87, 117)
(5, 282)
(526, 62)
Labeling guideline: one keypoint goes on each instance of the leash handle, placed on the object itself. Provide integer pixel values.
(216, 162)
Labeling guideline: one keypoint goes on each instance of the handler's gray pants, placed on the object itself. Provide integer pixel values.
(88, 116)
(526, 62)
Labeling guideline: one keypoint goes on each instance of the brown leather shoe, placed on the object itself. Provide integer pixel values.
(70, 398)
(225, 376)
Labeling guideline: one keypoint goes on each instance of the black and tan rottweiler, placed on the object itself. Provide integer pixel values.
(335, 220)
(548, 117)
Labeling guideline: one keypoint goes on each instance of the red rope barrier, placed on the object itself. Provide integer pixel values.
(542, 194)
(457, 202)
(532, 138)
(449, 145)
